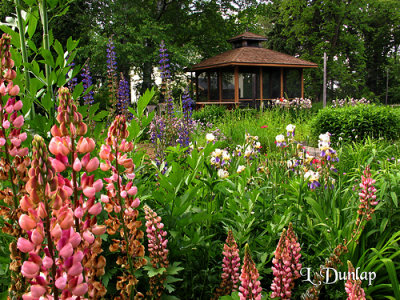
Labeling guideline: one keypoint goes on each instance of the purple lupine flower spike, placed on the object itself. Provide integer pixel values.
(87, 83)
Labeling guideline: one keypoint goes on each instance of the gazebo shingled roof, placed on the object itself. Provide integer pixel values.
(253, 56)
(247, 36)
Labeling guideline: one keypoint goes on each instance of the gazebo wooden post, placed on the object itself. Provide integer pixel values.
(302, 84)
(208, 86)
(220, 85)
(197, 86)
(261, 85)
(236, 85)
(281, 82)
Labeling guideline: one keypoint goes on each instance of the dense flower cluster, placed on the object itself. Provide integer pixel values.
(324, 145)
(220, 158)
(166, 78)
(251, 148)
(280, 141)
(121, 205)
(186, 121)
(367, 196)
(296, 103)
(13, 162)
(55, 262)
(290, 130)
(286, 264)
(349, 102)
(112, 75)
(313, 179)
(230, 268)
(250, 286)
(352, 286)
(87, 83)
(158, 252)
(73, 152)
(124, 98)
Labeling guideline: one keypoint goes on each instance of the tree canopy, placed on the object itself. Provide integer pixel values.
(361, 38)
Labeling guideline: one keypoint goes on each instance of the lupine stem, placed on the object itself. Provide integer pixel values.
(46, 46)
(21, 29)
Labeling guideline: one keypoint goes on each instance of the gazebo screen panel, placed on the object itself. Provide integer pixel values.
(203, 87)
(271, 83)
(292, 83)
(249, 83)
(214, 89)
(228, 85)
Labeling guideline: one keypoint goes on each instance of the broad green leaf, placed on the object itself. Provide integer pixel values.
(100, 116)
(78, 89)
(48, 57)
(32, 24)
(174, 269)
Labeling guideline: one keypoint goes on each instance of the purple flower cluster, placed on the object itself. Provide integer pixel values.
(186, 122)
(164, 63)
(165, 78)
(123, 97)
(112, 73)
(349, 102)
(87, 83)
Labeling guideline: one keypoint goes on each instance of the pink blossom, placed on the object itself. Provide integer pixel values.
(30, 269)
(250, 286)
(6, 124)
(26, 222)
(286, 266)
(352, 286)
(24, 245)
(18, 105)
(18, 122)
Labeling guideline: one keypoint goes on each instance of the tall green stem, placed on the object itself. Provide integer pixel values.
(46, 46)
(21, 29)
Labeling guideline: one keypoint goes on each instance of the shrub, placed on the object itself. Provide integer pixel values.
(210, 113)
(357, 122)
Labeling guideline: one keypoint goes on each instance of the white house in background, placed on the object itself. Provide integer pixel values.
(136, 81)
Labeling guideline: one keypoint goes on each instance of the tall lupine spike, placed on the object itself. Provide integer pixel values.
(186, 122)
(367, 196)
(250, 286)
(121, 205)
(13, 162)
(54, 264)
(230, 268)
(166, 79)
(286, 264)
(123, 98)
(158, 252)
(112, 76)
(87, 83)
(352, 286)
(73, 156)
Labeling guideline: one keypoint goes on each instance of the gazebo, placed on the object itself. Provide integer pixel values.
(249, 74)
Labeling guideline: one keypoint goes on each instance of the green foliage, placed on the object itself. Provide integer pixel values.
(357, 122)
(211, 113)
